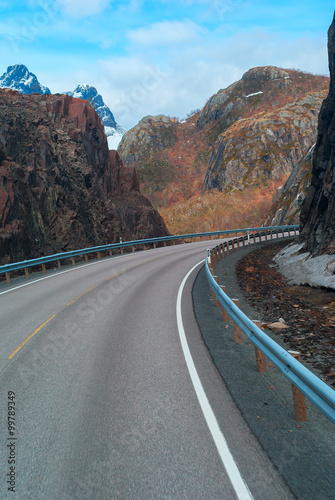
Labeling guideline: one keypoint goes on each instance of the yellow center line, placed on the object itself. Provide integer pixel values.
(31, 336)
(72, 301)
(81, 295)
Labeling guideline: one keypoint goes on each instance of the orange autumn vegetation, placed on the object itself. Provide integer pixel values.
(216, 210)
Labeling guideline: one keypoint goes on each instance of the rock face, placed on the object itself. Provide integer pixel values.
(19, 78)
(267, 130)
(289, 198)
(318, 211)
(60, 187)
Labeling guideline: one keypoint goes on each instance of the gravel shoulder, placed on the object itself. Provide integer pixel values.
(303, 452)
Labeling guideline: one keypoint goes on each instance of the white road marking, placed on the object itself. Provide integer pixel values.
(240, 487)
(61, 272)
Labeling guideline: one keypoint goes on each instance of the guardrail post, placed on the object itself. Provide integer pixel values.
(59, 264)
(243, 241)
(121, 250)
(110, 253)
(133, 249)
(99, 255)
(260, 358)
(217, 302)
(295, 231)
(225, 315)
(232, 245)
(271, 234)
(298, 396)
(8, 278)
(248, 233)
(266, 235)
(43, 269)
(73, 261)
(238, 243)
(237, 329)
(86, 257)
(26, 272)
(222, 250)
(227, 247)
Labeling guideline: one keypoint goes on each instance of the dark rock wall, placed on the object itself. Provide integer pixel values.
(60, 187)
(317, 221)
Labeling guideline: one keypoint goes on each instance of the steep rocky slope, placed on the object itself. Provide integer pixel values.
(251, 134)
(290, 196)
(318, 211)
(60, 186)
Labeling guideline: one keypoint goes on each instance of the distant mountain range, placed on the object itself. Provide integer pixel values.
(19, 78)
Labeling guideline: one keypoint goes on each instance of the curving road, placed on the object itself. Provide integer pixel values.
(116, 396)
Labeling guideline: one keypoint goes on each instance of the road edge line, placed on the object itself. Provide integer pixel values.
(238, 483)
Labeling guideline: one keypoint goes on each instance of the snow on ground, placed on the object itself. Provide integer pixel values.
(255, 93)
(302, 269)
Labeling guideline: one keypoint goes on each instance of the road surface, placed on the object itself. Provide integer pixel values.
(116, 396)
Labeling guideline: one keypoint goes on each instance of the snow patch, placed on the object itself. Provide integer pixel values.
(303, 269)
(255, 93)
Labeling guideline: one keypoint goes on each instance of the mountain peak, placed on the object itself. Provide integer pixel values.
(113, 131)
(19, 78)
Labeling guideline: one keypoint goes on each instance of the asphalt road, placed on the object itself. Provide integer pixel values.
(112, 401)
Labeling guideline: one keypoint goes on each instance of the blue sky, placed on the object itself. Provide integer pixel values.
(163, 56)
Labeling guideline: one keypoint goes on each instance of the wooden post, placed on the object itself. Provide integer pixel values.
(227, 247)
(298, 396)
(237, 329)
(277, 234)
(217, 302)
(225, 315)
(222, 251)
(154, 244)
(110, 253)
(238, 243)
(86, 257)
(99, 255)
(133, 249)
(43, 269)
(73, 261)
(219, 252)
(260, 358)
(59, 264)
(232, 245)
(121, 250)
(8, 278)
(295, 232)
(271, 234)
(243, 241)
(26, 272)
(266, 235)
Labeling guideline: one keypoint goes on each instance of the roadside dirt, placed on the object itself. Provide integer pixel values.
(309, 312)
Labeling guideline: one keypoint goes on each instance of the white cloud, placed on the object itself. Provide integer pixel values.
(83, 8)
(165, 33)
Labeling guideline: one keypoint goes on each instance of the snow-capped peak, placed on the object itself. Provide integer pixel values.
(19, 78)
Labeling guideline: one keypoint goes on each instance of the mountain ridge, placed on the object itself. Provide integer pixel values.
(19, 78)
(265, 122)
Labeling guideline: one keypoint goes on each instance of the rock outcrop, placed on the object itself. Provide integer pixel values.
(290, 196)
(60, 186)
(267, 144)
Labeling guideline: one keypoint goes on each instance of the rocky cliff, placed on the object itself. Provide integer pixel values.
(318, 211)
(60, 187)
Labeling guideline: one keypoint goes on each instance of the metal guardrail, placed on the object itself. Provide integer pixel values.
(317, 391)
(102, 248)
